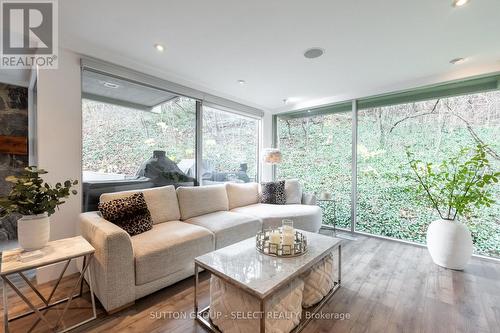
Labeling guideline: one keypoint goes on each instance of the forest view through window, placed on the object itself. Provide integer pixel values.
(433, 130)
(126, 148)
(118, 141)
(230, 147)
(317, 150)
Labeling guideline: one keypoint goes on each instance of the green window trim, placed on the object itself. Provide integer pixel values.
(467, 86)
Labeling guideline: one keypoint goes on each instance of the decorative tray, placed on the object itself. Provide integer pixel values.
(289, 244)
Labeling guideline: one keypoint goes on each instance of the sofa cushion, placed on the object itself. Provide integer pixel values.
(273, 193)
(242, 194)
(168, 248)
(200, 200)
(293, 191)
(304, 217)
(130, 213)
(161, 201)
(228, 227)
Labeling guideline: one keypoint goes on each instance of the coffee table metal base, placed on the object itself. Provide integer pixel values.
(202, 316)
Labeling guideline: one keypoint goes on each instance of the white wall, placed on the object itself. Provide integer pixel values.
(59, 140)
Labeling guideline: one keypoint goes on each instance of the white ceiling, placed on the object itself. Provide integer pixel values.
(371, 46)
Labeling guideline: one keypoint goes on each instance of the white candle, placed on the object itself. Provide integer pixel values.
(274, 237)
(288, 240)
(288, 230)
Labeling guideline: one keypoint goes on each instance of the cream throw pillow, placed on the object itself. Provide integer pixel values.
(293, 192)
(201, 200)
(240, 195)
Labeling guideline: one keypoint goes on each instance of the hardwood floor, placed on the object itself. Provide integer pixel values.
(386, 287)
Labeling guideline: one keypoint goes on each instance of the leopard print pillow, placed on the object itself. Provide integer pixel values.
(130, 213)
(273, 193)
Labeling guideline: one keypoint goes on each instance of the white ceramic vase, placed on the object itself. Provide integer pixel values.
(33, 231)
(449, 243)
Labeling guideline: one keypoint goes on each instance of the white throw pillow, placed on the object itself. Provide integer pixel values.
(293, 192)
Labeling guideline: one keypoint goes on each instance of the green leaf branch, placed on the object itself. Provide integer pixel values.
(30, 195)
(458, 184)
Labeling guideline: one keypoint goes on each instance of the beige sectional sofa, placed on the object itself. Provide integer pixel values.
(187, 223)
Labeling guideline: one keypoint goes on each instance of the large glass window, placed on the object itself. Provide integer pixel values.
(433, 130)
(134, 137)
(119, 141)
(317, 151)
(230, 147)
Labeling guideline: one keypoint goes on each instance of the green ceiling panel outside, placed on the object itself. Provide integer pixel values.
(455, 88)
(334, 108)
(432, 92)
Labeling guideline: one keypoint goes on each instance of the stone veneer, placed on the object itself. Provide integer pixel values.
(13, 122)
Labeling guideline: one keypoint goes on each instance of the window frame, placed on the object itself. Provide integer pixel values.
(199, 133)
(478, 84)
(201, 98)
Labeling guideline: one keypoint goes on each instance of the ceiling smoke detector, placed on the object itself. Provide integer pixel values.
(314, 52)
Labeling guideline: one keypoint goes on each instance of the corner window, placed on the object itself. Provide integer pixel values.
(134, 137)
(230, 147)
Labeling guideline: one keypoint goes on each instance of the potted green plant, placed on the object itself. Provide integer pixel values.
(454, 188)
(35, 200)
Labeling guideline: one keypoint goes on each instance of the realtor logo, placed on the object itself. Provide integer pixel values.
(29, 34)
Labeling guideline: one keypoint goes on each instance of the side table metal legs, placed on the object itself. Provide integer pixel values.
(46, 301)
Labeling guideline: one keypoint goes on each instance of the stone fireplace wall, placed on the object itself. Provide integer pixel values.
(13, 127)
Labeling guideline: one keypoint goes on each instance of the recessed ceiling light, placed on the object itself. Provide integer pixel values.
(460, 3)
(242, 82)
(159, 47)
(111, 85)
(314, 52)
(457, 61)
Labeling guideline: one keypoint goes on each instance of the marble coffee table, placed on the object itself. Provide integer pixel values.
(261, 276)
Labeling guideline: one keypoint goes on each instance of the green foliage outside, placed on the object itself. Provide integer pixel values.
(458, 184)
(230, 140)
(31, 196)
(317, 150)
(117, 140)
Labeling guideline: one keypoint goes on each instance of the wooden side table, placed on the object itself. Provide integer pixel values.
(62, 250)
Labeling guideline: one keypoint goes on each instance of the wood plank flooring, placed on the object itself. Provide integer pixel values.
(386, 287)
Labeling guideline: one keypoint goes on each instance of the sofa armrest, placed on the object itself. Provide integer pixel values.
(112, 268)
(309, 199)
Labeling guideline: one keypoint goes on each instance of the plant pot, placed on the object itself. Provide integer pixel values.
(33, 231)
(449, 243)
